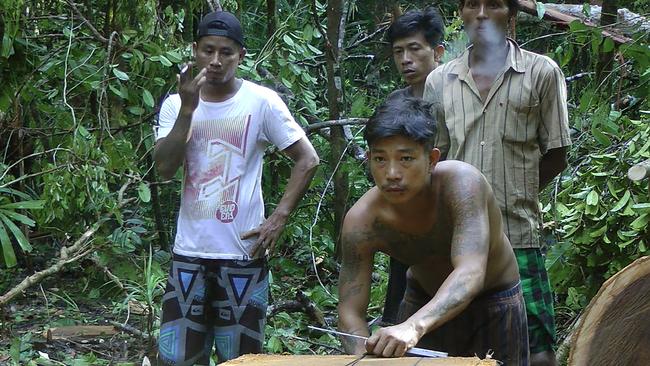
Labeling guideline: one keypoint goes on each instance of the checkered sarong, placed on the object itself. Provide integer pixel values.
(539, 299)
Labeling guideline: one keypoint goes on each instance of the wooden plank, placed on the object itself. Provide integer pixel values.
(342, 360)
(79, 331)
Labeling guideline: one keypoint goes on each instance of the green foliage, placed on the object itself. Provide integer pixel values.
(10, 219)
(601, 216)
(598, 215)
(84, 109)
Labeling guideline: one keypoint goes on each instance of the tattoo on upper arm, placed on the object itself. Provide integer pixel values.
(351, 259)
(468, 208)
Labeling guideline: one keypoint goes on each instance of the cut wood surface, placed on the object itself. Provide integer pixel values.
(342, 360)
(639, 171)
(615, 328)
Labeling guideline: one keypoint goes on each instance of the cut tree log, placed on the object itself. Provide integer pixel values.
(342, 360)
(615, 328)
(639, 171)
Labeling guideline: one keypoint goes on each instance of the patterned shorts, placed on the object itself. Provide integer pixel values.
(538, 298)
(213, 301)
(491, 323)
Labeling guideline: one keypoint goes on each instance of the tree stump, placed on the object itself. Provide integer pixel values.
(342, 360)
(615, 328)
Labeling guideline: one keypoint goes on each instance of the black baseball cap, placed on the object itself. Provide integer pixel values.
(221, 23)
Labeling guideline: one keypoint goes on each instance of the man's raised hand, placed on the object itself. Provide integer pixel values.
(189, 88)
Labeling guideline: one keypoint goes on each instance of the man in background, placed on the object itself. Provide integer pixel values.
(217, 127)
(504, 110)
(415, 39)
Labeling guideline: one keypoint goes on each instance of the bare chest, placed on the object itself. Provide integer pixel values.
(414, 247)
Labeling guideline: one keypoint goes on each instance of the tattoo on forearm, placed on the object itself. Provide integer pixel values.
(452, 298)
(350, 292)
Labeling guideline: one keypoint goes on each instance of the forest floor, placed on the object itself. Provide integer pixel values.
(80, 327)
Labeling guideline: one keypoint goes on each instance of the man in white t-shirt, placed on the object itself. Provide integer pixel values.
(218, 127)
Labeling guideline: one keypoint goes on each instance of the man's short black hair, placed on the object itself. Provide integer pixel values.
(407, 117)
(427, 21)
(513, 6)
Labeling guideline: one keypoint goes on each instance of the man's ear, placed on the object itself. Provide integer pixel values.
(434, 157)
(368, 155)
(242, 53)
(438, 52)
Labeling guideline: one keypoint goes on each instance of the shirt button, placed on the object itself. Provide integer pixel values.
(482, 143)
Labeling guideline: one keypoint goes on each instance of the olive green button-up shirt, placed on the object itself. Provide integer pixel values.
(524, 116)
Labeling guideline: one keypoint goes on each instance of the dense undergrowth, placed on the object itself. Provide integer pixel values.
(77, 111)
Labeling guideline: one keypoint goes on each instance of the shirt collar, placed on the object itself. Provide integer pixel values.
(515, 60)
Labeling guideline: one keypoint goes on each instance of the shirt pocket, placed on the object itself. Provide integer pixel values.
(521, 119)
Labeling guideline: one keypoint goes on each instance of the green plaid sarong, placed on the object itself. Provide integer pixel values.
(538, 298)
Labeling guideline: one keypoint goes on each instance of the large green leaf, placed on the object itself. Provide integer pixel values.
(121, 75)
(15, 216)
(25, 205)
(144, 192)
(147, 98)
(7, 249)
(18, 234)
(14, 192)
(622, 202)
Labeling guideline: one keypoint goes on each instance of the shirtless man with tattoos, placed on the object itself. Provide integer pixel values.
(441, 219)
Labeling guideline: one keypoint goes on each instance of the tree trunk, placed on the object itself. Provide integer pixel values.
(335, 33)
(608, 16)
(163, 239)
(270, 18)
(615, 328)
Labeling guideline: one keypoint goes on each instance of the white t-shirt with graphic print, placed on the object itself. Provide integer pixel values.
(222, 193)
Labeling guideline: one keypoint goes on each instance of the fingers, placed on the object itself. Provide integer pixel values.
(200, 76)
(400, 350)
(389, 349)
(385, 345)
(250, 233)
(371, 342)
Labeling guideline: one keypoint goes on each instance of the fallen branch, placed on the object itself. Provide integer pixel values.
(339, 122)
(311, 309)
(379, 30)
(67, 255)
(128, 329)
(109, 274)
(529, 6)
(94, 31)
(292, 306)
(301, 304)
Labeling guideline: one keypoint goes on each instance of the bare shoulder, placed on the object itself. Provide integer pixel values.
(460, 178)
(357, 225)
